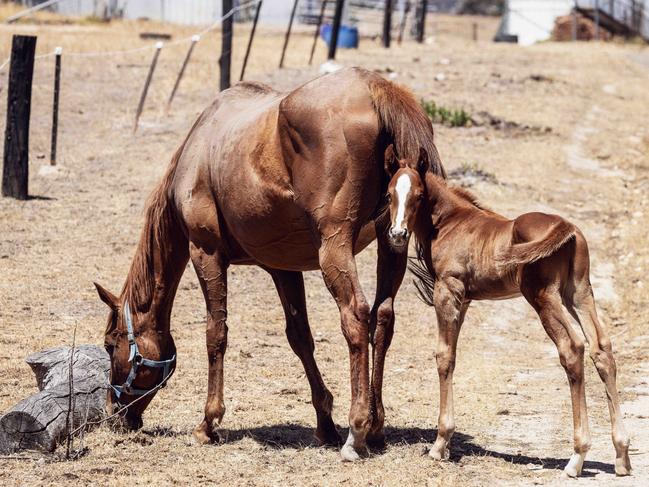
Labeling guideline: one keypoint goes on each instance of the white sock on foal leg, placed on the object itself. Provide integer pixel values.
(575, 464)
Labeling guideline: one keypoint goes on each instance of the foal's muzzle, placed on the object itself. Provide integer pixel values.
(398, 237)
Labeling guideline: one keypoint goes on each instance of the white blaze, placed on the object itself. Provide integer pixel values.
(402, 188)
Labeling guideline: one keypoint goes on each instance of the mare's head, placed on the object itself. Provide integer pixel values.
(405, 193)
(131, 375)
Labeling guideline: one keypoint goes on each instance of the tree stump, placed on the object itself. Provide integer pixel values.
(40, 422)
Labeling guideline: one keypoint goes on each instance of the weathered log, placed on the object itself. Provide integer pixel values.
(40, 422)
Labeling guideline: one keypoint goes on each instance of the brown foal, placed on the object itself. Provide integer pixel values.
(467, 252)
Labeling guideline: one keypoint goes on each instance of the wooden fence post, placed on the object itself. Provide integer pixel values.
(288, 33)
(421, 29)
(323, 6)
(226, 45)
(475, 32)
(387, 23)
(333, 43)
(15, 173)
(55, 104)
(145, 90)
(195, 39)
(252, 36)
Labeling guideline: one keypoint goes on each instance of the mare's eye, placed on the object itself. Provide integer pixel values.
(109, 350)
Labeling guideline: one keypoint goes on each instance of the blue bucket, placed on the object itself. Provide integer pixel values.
(347, 36)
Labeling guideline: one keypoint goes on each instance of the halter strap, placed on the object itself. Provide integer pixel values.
(136, 360)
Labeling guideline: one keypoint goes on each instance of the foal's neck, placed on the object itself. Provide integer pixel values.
(446, 202)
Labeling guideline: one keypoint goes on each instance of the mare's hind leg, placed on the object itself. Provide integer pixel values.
(290, 287)
(339, 273)
(450, 308)
(581, 305)
(211, 269)
(391, 267)
(546, 300)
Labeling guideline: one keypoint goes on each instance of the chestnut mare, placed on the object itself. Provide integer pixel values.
(466, 252)
(289, 182)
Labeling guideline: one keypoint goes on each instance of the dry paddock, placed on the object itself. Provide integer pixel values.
(512, 402)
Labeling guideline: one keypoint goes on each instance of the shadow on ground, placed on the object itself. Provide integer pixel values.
(298, 436)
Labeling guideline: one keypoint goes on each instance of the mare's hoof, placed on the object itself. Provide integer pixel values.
(328, 437)
(376, 440)
(350, 454)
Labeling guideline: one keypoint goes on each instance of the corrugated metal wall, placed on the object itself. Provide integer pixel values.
(197, 12)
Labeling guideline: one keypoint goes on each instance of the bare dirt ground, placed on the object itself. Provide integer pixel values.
(512, 400)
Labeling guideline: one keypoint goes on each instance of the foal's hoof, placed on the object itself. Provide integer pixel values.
(623, 466)
(203, 437)
(575, 464)
(350, 454)
(439, 454)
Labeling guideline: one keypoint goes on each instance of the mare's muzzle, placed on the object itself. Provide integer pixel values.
(136, 360)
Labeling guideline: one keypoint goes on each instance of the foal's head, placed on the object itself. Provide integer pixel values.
(405, 192)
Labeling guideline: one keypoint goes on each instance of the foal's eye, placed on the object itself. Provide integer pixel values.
(420, 197)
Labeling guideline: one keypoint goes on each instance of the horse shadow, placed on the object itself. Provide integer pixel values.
(296, 436)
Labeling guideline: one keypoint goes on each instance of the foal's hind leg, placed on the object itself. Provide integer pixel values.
(547, 303)
(450, 308)
(211, 269)
(582, 306)
(391, 267)
(290, 287)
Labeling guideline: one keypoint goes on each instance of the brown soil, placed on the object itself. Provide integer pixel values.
(512, 401)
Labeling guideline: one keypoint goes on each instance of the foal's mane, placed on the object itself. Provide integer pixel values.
(467, 195)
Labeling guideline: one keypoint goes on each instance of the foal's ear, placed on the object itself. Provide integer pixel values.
(423, 163)
(106, 296)
(391, 162)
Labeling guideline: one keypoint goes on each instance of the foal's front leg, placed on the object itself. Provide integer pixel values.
(391, 267)
(211, 269)
(450, 309)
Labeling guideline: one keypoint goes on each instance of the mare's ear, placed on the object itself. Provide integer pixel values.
(391, 163)
(423, 163)
(107, 297)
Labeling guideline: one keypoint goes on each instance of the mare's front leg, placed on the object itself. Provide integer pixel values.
(450, 308)
(339, 273)
(290, 287)
(211, 269)
(390, 269)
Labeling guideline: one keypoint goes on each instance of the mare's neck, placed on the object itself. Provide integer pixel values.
(157, 267)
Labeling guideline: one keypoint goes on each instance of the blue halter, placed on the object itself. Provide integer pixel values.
(136, 360)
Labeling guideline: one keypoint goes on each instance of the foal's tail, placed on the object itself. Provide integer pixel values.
(556, 237)
(404, 120)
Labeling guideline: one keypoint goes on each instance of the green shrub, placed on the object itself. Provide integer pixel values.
(446, 116)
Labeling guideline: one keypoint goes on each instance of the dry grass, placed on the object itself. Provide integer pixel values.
(512, 401)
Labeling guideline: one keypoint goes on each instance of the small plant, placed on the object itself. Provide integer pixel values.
(446, 116)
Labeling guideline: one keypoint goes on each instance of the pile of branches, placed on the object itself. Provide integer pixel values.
(585, 29)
